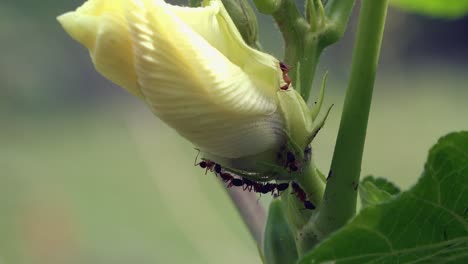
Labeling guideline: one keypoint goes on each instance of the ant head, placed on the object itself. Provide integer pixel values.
(202, 164)
(290, 156)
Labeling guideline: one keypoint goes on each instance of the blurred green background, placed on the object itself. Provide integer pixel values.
(89, 175)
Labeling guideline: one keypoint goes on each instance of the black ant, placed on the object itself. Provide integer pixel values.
(236, 182)
(226, 177)
(282, 186)
(246, 184)
(249, 185)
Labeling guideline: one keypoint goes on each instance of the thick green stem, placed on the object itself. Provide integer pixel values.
(339, 203)
(297, 215)
(313, 185)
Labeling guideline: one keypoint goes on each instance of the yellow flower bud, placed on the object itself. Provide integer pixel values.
(190, 65)
(194, 70)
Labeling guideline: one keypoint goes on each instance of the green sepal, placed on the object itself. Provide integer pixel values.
(279, 244)
(297, 116)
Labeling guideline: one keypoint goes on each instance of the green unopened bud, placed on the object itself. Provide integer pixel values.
(245, 20)
(267, 6)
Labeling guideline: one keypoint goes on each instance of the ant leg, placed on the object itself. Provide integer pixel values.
(196, 158)
(318, 104)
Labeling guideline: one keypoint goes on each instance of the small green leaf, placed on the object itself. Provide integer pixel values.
(279, 244)
(383, 184)
(435, 8)
(427, 224)
(376, 190)
(371, 194)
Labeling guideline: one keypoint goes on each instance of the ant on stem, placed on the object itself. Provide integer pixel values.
(302, 196)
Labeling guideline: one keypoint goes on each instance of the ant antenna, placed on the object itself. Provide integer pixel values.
(196, 158)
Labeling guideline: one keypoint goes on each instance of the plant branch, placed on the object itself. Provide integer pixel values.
(339, 203)
(338, 13)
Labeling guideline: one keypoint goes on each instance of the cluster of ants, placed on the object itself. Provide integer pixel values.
(289, 161)
(248, 185)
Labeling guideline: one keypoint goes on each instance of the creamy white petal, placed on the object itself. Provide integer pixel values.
(213, 23)
(196, 89)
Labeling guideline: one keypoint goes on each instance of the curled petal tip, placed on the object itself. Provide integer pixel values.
(107, 38)
(82, 28)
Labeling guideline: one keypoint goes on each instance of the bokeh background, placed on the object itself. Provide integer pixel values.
(89, 175)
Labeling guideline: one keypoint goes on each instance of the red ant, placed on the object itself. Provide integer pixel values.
(207, 164)
(302, 196)
(291, 161)
(285, 69)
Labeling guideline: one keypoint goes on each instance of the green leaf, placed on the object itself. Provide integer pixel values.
(376, 190)
(279, 244)
(435, 8)
(383, 184)
(372, 195)
(427, 224)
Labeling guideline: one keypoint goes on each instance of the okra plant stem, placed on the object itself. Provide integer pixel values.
(339, 203)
